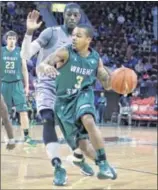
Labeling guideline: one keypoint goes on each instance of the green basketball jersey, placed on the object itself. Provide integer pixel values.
(11, 65)
(77, 74)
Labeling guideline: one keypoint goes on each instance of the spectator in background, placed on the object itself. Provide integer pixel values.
(11, 8)
(111, 17)
(125, 109)
(151, 91)
(155, 21)
(132, 62)
(121, 19)
(96, 34)
(102, 28)
(147, 66)
(98, 86)
(140, 66)
(143, 88)
(102, 103)
(105, 59)
(156, 103)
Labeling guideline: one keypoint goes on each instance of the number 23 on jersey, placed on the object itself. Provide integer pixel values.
(10, 65)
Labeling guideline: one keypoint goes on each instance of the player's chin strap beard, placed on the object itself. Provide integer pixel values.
(69, 30)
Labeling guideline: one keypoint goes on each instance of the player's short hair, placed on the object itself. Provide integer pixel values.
(88, 28)
(11, 33)
(72, 5)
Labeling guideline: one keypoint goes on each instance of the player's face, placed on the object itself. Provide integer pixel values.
(11, 41)
(72, 17)
(80, 39)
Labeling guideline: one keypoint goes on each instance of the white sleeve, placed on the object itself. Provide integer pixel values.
(29, 48)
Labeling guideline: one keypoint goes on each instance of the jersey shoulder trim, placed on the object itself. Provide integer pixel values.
(18, 48)
(56, 28)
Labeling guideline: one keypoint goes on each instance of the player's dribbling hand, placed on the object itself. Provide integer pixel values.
(32, 21)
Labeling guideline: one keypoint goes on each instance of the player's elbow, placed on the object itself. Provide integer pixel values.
(107, 88)
(25, 55)
(107, 84)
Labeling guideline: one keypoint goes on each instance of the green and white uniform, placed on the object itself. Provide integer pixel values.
(12, 79)
(75, 95)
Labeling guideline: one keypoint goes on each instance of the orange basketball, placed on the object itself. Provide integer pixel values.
(123, 80)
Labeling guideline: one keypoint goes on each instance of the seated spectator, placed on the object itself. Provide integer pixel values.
(121, 19)
(125, 109)
(102, 28)
(98, 86)
(156, 103)
(132, 62)
(140, 66)
(105, 59)
(143, 88)
(147, 66)
(102, 103)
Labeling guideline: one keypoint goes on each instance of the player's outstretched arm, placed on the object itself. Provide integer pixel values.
(56, 59)
(104, 76)
(30, 48)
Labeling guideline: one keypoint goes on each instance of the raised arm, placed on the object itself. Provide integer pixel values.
(104, 76)
(29, 47)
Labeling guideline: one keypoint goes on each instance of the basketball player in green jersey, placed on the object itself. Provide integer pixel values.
(14, 72)
(78, 66)
(7, 124)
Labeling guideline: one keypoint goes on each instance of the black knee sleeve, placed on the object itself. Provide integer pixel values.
(49, 133)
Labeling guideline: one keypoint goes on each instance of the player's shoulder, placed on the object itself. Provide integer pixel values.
(95, 53)
(3, 48)
(53, 28)
(18, 48)
(50, 30)
(56, 28)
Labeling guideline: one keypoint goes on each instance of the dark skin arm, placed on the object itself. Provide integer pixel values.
(104, 76)
(56, 59)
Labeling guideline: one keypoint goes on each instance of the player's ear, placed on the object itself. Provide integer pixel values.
(89, 39)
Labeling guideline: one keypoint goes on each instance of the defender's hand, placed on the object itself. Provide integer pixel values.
(32, 21)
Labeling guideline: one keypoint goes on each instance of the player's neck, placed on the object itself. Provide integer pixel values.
(10, 48)
(68, 30)
(84, 52)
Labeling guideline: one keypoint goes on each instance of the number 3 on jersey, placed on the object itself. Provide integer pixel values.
(10, 65)
(79, 81)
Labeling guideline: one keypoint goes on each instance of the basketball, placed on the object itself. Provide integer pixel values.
(123, 80)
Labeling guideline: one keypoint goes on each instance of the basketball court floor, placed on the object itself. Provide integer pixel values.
(133, 151)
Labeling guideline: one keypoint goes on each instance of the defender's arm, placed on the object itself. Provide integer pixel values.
(29, 47)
